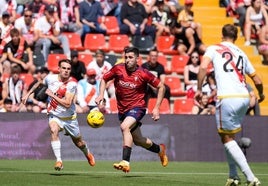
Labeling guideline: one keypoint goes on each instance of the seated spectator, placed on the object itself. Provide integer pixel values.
(9, 6)
(69, 17)
(21, 4)
(190, 74)
(186, 18)
(187, 40)
(158, 70)
(203, 107)
(38, 100)
(210, 88)
(47, 32)
(256, 17)
(18, 53)
(149, 5)
(5, 27)
(239, 7)
(7, 106)
(160, 19)
(134, 20)
(101, 66)
(90, 12)
(172, 7)
(37, 7)
(25, 25)
(15, 89)
(87, 91)
(263, 43)
(78, 67)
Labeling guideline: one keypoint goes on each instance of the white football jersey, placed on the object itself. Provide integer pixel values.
(230, 65)
(60, 89)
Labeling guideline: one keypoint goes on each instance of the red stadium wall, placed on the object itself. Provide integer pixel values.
(188, 138)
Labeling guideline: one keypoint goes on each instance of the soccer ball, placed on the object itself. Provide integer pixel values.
(95, 119)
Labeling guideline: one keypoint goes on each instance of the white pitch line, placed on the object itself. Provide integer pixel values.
(114, 172)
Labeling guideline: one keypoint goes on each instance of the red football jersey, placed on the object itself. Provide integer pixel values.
(130, 87)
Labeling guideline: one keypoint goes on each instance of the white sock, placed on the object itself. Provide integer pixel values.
(238, 156)
(56, 147)
(232, 165)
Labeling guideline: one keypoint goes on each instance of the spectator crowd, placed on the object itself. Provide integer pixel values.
(30, 30)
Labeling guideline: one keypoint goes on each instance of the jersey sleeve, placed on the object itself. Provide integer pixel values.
(152, 79)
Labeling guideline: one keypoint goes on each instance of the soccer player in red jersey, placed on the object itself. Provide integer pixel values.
(130, 83)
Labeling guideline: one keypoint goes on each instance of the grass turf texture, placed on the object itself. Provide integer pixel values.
(79, 173)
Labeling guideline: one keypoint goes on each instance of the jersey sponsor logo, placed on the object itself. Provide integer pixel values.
(127, 84)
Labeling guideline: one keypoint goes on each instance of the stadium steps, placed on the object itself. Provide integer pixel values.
(212, 18)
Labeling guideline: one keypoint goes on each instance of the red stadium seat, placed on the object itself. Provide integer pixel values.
(164, 107)
(163, 60)
(118, 42)
(112, 25)
(86, 58)
(75, 41)
(27, 78)
(178, 63)
(53, 60)
(183, 106)
(175, 85)
(164, 45)
(94, 41)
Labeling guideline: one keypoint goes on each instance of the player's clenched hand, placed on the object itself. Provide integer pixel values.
(98, 100)
(156, 115)
(198, 96)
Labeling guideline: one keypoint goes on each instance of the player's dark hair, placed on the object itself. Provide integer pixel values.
(229, 31)
(64, 60)
(132, 49)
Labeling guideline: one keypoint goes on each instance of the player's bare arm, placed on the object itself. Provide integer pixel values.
(160, 96)
(259, 86)
(99, 99)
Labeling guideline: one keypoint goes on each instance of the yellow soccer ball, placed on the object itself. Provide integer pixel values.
(95, 119)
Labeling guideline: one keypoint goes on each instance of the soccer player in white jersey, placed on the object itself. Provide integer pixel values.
(231, 65)
(61, 111)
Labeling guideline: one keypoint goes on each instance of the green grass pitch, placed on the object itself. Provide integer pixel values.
(79, 173)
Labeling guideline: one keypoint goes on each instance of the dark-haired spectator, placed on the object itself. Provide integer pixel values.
(18, 53)
(14, 88)
(37, 7)
(158, 70)
(190, 74)
(134, 20)
(9, 6)
(101, 66)
(5, 28)
(161, 19)
(25, 25)
(39, 98)
(47, 32)
(187, 40)
(256, 17)
(78, 67)
(7, 105)
(69, 17)
(90, 12)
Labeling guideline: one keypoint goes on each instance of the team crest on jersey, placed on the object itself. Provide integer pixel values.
(136, 78)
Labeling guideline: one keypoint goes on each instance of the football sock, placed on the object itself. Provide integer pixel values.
(232, 165)
(85, 150)
(238, 156)
(126, 153)
(56, 146)
(154, 148)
